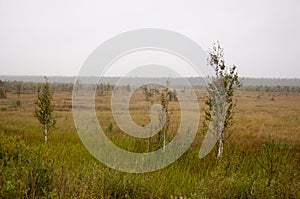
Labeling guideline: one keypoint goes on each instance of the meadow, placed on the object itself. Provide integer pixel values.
(261, 158)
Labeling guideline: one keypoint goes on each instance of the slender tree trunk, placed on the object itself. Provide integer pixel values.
(149, 141)
(164, 147)
(150, 132)
(148, 145)
(45, 134)
(220, 148)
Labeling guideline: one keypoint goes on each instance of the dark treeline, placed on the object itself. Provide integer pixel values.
(282, 89)
(20, 87)
(103, 89)
(134, 81)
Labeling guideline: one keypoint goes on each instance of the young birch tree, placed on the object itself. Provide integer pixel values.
(45, 108)
(224, 84)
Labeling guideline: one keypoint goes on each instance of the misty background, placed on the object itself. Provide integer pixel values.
(54, 38)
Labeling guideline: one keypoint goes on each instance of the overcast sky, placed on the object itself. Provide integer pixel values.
(55, 37)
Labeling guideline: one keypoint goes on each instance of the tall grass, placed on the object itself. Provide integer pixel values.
(261, 164)
(60, 170)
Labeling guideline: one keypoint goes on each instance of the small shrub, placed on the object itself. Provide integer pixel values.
(110, 128)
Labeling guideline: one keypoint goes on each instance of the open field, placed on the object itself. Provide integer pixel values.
(261, 158)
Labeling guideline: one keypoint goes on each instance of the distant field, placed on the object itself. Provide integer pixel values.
(261, 160)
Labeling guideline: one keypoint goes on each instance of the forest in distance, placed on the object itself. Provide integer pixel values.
(194, 81)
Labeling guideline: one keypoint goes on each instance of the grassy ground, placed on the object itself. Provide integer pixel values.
(261, 158)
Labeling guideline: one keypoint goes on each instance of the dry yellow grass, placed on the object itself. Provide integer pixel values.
(258, 115)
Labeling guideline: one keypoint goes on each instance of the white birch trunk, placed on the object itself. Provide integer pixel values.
(220, 148)
(164, 147)
(45, 134)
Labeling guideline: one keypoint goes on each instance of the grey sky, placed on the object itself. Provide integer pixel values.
(55, 37)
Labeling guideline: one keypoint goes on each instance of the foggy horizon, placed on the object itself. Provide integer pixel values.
(55, 38)
(117, 76)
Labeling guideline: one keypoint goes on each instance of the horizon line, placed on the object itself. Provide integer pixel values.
(74, 76)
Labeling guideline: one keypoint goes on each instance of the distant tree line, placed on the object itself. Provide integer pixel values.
(261, 88)
(20, 87)
(149, 93)
(103, 89)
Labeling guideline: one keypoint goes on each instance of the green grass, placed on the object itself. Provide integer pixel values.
(262, 159)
